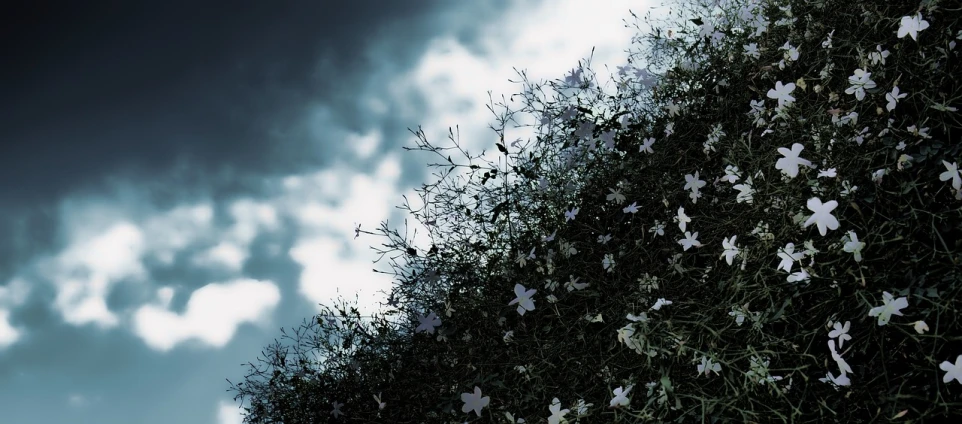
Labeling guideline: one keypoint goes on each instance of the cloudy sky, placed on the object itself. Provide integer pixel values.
(178, 180)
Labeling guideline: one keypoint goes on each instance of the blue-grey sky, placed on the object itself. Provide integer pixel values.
(179, 179)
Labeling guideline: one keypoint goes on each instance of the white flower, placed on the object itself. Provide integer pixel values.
(621, 397)
(658, 229)
(790, 162)
(840, 332)
(911, 25)
(852, 245)
(842, 365)
(512, 420)
(860, 81)
(730, 249)
(789, 256)
(827, 173)
(660, 302)
(707, 366)
(893, 98)
(682, 219)
(693, 183)
(878, 55)
(474, 401)
(672, 109)
(842, 379)
(689, 241)
(952, 371)
(625, 336)
(428, 323)
(791, 53)
(573, 284)
(952, 173)
(889, 307)
(380, 405)
(557, 414)
(646, 146)
(827, 44)
(608, 262)
(739, 316)
(822, 215)
(632, 208)
(337, 409)
(570, 215)
(782, 93)
(615, 196)
(523, 299)
(921, 327)
(604, 239)
(731, 174)
(800, 275)
(751, 49)
(581, 407)
(745, 192)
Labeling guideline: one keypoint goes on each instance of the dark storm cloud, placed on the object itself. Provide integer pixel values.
(90, 88)
(194, 99)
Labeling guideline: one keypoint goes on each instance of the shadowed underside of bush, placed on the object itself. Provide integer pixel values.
(764, 317)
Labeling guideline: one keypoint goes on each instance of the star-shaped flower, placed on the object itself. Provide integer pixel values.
(952, 372)
(745, 192)
(852, 245)
(730, 249)
(693, 183)
(615, 196)
(573, 283)
(789, 164)
(523, 299)
(841, 332)
(632, 208)
(549, 238)
(646, 146)
(557, 414)
(658, 229)
(827, 173)
(337, 409)
(889, 306)
(860, 80)
(570, 215)
(952, 173)
(689, 240)
(608, 262)
(822, 216)
(788, 256)
(673, 109)
(428, 324)
(893, 98)
(782, 93)
(682, 219)
(708, 366)
(911, 25)
(474, 401)
(608, 137)
(620, 398)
